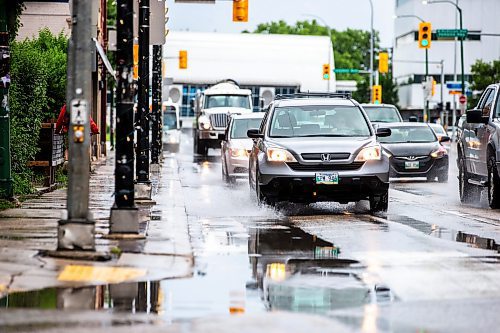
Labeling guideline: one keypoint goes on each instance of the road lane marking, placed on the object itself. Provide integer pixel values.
(81, 273)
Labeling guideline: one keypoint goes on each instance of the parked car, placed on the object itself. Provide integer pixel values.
(441, 132)
(318, 147)
(236, 145)
(478, 149)
(382, 113)
(171, 136)
(415, 151)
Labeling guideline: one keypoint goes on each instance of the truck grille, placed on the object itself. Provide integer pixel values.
(325, 167)
(219, 120)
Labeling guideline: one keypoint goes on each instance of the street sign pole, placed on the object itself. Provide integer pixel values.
(426, 105)
(6, 188)
(124, 214)
(143, 184)
(77, 231)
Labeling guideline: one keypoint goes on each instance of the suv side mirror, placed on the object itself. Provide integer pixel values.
(383, 132)
(444, 138)
(254, 133)
(476, 117)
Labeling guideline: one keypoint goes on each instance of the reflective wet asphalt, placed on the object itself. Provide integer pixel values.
(327, 258)
(430, 264)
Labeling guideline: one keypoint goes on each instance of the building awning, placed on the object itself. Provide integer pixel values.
(104, 58)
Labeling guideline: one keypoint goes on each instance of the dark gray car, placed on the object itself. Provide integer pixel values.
(478, 149)
(313, 148)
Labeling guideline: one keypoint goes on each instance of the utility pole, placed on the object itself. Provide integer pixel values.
(156, 111)
(124, 214)
(77, 232)
(6, 189)
(143, 184)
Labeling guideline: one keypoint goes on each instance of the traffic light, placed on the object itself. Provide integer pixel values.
(424, 35)
(377, 94)
(383, 62)
(326, 72)
(240, 10)
(183, 59)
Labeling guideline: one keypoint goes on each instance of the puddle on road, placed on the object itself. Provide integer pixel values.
(434, 230)
(138, 297)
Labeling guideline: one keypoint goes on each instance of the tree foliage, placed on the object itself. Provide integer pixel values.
(38, 89)
(14, 10)
(351, 50)
(483, 74)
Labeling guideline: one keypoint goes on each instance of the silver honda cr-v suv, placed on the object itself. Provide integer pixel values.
(318, 147)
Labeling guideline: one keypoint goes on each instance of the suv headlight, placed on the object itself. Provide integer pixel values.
(440, 152)
(372, 153)
(204, 122)
(279, 155)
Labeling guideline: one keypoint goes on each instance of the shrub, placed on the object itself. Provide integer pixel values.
(37, 92)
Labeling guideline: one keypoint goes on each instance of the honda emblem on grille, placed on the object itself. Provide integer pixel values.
(325, 157)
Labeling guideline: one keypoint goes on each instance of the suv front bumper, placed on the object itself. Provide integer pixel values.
(280, 182)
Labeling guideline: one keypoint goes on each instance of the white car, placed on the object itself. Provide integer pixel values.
(236, 145)
(440, 132)
(172, 124)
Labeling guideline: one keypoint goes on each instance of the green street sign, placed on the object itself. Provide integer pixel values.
(451, 33)
(346, 71)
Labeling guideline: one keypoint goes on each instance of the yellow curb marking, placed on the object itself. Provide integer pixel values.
(78, 273)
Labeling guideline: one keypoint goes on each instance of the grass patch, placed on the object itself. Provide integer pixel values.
(5, 204)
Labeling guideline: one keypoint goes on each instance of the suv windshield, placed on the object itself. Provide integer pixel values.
(409, 134)
(382, 114)
(241, 126)
(325, 120)
(221, 101)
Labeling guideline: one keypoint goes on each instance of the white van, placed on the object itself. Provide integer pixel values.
(172, 124)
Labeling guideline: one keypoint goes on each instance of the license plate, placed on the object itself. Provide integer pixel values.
(412, 165)
(327, 178)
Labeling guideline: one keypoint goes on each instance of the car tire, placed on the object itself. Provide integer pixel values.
(443, 178)
(200, 148)
(430, 178)
(468, 193)
(493, 184)
(262, 199)
(380, 203)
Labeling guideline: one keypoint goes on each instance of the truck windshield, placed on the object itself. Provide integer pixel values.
(169, 120)
(319, 121)
(232, 101)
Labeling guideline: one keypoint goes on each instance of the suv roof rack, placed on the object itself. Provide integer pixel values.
(345, 95)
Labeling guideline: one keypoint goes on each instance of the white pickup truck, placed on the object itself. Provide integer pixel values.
(212, 109)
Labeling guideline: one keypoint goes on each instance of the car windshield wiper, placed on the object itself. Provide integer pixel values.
(419, 141)
(324, 135)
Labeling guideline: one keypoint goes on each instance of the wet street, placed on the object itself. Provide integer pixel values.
(430, 264)
(374, 273)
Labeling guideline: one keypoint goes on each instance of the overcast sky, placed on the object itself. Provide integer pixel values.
(339, 14)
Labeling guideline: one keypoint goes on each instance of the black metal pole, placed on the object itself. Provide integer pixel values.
(142, 152)
(124, 214)
(111, 119)
(155, 114)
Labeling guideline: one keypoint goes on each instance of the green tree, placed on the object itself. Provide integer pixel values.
(351, 50)
(483, 74)
(14, 10)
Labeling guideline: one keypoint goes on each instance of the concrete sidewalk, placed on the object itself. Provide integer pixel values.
(28, 238)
